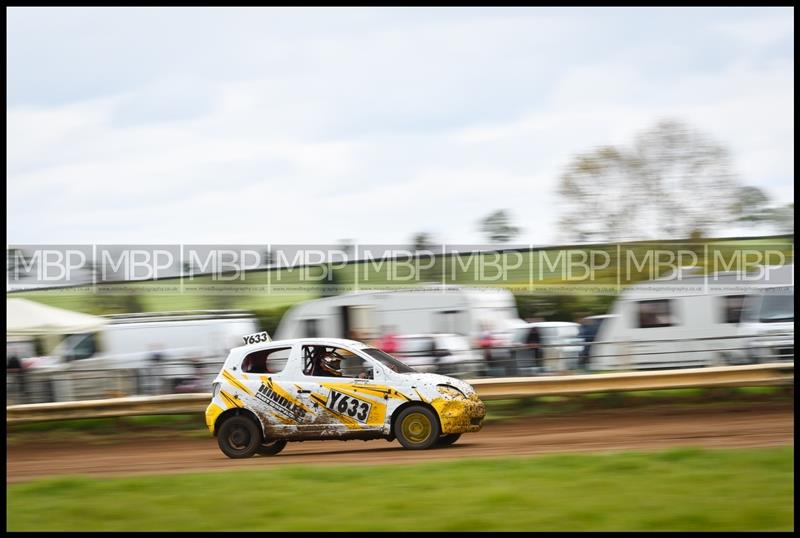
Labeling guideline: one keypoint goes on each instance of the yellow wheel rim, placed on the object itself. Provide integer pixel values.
(416, 427)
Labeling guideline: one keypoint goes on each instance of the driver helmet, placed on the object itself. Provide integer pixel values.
(330, 364)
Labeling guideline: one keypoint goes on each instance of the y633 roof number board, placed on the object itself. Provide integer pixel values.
(256, 338)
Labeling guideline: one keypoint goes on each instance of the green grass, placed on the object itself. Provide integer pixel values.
(679, 489)
(111, 425)
(108, 430)
(499, 410)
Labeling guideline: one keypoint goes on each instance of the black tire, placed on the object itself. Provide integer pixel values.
(417, 428)
(271, 448)
(239, 437)
(448, 439)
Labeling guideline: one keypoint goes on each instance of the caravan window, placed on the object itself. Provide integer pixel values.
(656, 313)
(732, 308)
(310, 328)
(266, 361)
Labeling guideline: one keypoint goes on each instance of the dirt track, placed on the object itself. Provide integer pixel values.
(644, 429)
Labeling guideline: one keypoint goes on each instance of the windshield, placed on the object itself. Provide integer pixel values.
(496, 317)
(389, 361)
(71, 343)
(589, 328)
(776, 308)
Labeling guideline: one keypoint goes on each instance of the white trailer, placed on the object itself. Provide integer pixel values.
(151, 352)
(368, 315)
(680, 322)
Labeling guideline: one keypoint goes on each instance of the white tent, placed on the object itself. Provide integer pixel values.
(29, 318)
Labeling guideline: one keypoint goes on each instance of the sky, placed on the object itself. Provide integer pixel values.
(313, 125)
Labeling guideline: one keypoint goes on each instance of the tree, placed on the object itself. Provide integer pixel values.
(783, 218)
(671, 183)
(422, 241)
(424, 247)
(751, 205)
(498, 228)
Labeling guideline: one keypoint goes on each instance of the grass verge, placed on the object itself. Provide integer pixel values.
(679, 489)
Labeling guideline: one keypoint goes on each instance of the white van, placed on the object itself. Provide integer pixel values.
(560, 349)
(680, 322)
(446, 354)
(140, 353)
(368, 315)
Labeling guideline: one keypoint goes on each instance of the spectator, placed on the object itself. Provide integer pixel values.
(388, 342)
(156, 358)
(588, 333)
(485, 342)
(534, 342)
(14, 367)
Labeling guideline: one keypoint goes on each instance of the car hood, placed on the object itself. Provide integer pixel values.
(438, 379)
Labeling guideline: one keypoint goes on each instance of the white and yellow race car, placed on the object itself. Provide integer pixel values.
(269, 393)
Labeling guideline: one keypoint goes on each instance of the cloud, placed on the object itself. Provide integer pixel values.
(316, 125)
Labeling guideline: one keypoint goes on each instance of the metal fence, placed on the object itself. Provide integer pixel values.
(195, 375)
(780, 374)
(38, 385)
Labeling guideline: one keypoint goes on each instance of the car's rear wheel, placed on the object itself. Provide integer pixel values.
(271, 448)
(417, 428)
(239, 437)
(448, 439)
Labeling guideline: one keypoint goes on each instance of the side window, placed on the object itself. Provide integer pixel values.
(310, 328)
(656, 313)
(448, 321)
(732, 308)
(266, 361)
(330, 361)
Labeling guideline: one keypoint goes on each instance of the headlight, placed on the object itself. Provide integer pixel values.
(448, 390)
(215, 389)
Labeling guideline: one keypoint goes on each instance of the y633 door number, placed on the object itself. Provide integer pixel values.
(347, 405)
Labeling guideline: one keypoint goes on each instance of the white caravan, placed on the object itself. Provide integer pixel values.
(135, 353)
(684, 322)
(368, 315)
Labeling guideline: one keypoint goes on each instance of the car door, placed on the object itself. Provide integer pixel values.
(265, 381)
(348, 396)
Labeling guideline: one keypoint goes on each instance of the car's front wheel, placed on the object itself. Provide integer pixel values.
(417, 428)
(239, 437)
(271, 448)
